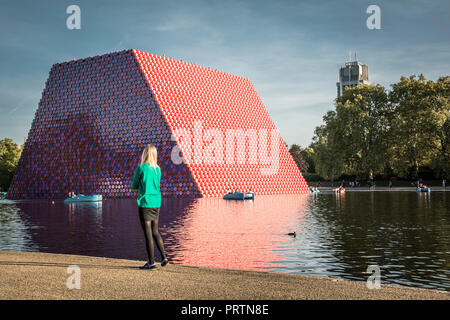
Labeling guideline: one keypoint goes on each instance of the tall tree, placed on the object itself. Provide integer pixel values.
(421, 111)
(352, 140)
(441, 162)
(328, 156)
(363, 115)
(308, 156)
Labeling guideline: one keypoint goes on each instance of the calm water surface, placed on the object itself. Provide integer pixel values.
(405, 233)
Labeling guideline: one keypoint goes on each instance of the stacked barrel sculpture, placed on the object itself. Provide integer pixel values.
(210, 128)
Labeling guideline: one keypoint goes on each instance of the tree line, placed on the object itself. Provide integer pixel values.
(375, 132)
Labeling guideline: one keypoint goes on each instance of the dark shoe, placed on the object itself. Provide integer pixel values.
(164, 263)
(148, 266)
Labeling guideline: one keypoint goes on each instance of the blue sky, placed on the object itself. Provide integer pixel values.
(290, 50)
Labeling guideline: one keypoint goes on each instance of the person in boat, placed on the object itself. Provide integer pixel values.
(72, 194)
(146, 181)
(340, 189)
(228, 191)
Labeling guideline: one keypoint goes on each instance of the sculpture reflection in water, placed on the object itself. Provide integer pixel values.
(234, 234)
(208, 232)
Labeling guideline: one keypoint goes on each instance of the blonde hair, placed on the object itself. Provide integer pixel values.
(150, 155)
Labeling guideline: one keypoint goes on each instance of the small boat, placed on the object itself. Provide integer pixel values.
(239, 196)
(423, 190)
(83, 198)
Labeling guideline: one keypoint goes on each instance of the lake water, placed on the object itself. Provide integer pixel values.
(405, 233)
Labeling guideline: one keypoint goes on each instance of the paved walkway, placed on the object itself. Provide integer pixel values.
(31, 275)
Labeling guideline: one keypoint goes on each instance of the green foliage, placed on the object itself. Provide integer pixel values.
(328, 157)
(441, 163)
(303, 157)
(372, 132)
(418, 124)
(353, 138)
(362, 115)
(9, 157)
(308, 156)
(311, 177)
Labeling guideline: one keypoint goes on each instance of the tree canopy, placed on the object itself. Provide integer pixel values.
(373, 132)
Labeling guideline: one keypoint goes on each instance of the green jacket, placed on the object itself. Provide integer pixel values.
(147, 179)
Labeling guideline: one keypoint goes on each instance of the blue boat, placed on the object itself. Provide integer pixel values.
(239, 196)
(83, 198)
(423, 190)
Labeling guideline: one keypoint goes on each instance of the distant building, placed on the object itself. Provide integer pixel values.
(351, 75)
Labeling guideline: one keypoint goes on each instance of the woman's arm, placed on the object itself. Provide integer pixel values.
(135, 181)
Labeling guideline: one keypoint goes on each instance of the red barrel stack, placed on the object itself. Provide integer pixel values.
(96, 115)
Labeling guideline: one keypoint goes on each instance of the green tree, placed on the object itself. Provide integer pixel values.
(353, 138)
(308, 156)
(363, 115)
(9, 157)
(328, 157)
(303, 157)
(441, 162)
(419, 126)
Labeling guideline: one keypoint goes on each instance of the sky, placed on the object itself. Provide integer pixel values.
(290, 50)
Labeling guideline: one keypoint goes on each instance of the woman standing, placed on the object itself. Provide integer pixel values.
(146, 180)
